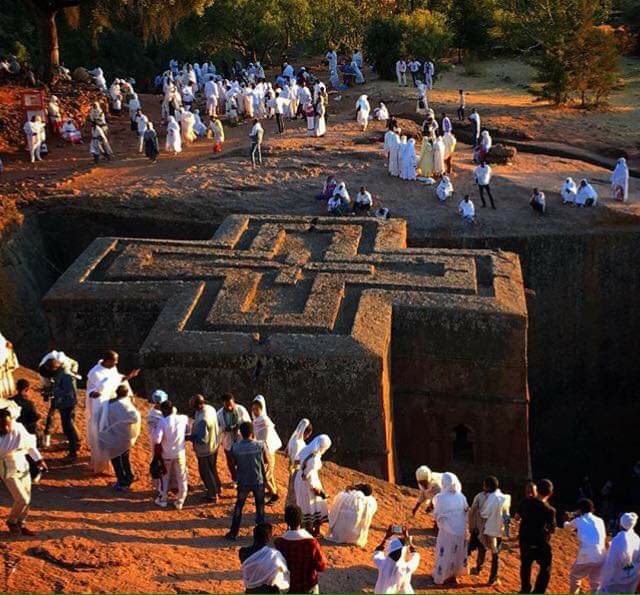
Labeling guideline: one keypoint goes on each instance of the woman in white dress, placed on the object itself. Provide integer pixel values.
(295, 445)
(438, 156)
(321, 124)
(187, 122)
(173, 143)
(265, 430)
(363, 108)
(620, 181)
(408, 160)
(621, 568)
(198, 127)
(394, 155)
(444, 189)
(310, 495)
(450, 513)
(569, 191)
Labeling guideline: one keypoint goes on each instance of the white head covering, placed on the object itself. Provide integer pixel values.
(423, 473)
(451, 483)
(296, 442)
(628, 520)
(317, 447)
(263, 403)
(569, 185)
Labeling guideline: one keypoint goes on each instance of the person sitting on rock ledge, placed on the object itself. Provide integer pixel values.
(538, 202)
(350, 515)
(264, 569)
(569, 192)
(587, 195)
(466, 209)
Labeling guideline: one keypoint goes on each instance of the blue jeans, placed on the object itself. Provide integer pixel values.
(241, 498)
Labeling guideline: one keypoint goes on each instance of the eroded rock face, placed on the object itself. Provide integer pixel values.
(502, 154)
(404, 356)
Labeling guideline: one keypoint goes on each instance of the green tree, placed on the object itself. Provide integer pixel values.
(473, 22)
(338, 23)
(555, 36)
(155, 19)
(423, 34)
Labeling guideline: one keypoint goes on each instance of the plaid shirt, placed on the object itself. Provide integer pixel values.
(304, 559)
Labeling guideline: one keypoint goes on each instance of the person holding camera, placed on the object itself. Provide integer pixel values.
(592, 535)
(396, 560)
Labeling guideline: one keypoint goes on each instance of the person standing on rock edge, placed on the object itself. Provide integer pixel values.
(251, 459)
(15, 444)
(537, 523)
(205, 437)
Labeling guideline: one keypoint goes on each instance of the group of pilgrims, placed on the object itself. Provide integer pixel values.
(249, 441)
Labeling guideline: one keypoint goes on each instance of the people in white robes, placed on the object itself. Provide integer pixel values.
(401, 72)
(15, 444)
(620, 181)
(351, 514)
(173, 144)
(297, 442)
(587, 195)
(310, 495)
(8, 363)
(408, 160)
(70, 133)
(320, 120)
(141, 121)
(362, 111)
(429, 484)
(381, 113)
(187, 122)
(169, 442)
(198, 125)
(394, 154)
(102, 381)
(266, 567)
(450, 512)
(444, 189)
(358, 73)
(439, 151)
(466, 209)
(621, 569)
(569, 191)
(592, 536)
(265, 430)
(33, 130)
(396, 563)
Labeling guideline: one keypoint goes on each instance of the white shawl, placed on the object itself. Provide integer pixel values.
(267, 566)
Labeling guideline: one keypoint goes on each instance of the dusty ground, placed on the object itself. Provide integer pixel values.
(95, 540)
(195, 184)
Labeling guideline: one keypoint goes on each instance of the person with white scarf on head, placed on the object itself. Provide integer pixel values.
(396, 563)
(394, 145)
(351, 514)
(54, 113)
(486, 143)
(621, 569)
(620, 181)
(408, 160)
(381, 113)
(265, 430)
(141, 122)
(198, 127)
(310, 495)
(296, 443)
(569, 191)
(429, 484)
(264, 568)
(362, 111)
(358, 73)
(187, 122)
(332, 60)
(444, 189)
(15, 444)
(133, 107)
(33, 133)
(8, 363)
(587, 195)
(173, 143)
(439, 150)
(450, 512)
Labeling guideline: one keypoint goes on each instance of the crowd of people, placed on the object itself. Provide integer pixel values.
(249, 441)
